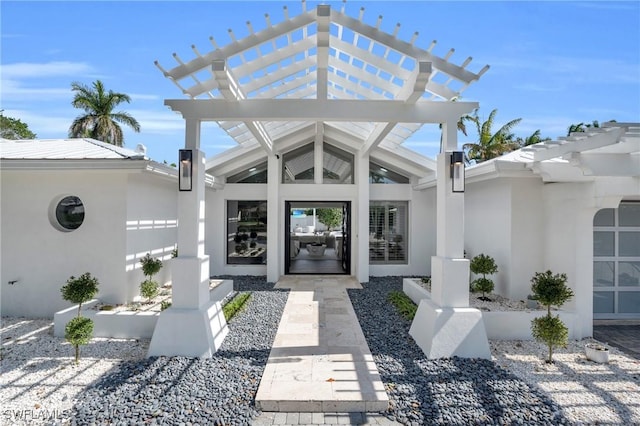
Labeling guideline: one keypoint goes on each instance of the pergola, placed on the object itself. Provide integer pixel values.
(322, 76)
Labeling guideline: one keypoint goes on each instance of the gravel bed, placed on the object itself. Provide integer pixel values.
(447, 391)
(176, 390)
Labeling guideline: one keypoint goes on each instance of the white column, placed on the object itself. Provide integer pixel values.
(361, 228)
(318, 161)
(445, 326)
(194, 325)
(274, 236)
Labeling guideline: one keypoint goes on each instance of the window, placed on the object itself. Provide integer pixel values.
(246, 232)
(297, 165)
(256, 174)
(379, 174)
(616, 262)
(388, 241)
(337, 165)
(68, 213)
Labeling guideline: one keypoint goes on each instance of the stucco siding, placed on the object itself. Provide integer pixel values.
(40, 257)
(151, 227)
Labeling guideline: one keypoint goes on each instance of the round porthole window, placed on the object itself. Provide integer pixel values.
(69, 213)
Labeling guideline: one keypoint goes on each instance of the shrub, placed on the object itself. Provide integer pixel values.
(149, 289)
(403, 304)
(550, 289)
(150, 265)
(174, 252)
(485, 265)
(78, 332)
(165, 304)
(550, 330)
(80, 290)
(234, 305)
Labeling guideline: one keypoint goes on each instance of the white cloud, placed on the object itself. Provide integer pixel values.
(156, 122)
(23, 70)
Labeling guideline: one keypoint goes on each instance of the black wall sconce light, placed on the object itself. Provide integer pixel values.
(456, 168)
(185, 170)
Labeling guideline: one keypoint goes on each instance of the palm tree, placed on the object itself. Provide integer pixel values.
(462, 127)
(533, 139)
(491, 145)
(581, 127)
(99, 121)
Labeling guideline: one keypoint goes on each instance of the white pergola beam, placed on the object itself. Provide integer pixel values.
(323, 12)
(586, 143)
(405, 48)
(319, 110)
(232, 92)
(240, 46)
(606, 164)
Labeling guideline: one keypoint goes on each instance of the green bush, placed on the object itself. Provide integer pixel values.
(80, 290)
(78, 332)
(165, 304)
(403, 304)
(550, 330)
(234, 305)
(150, 265)
(485, 265)
(550, 289)
(484, 285)
(149, 289)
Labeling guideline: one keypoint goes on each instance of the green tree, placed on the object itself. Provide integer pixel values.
(550, 290)
(78, 331)
(532, 139)
(13, 128)
(150, 267)
(331, 217)
(582, 127)
(491, 145)
(99, 120)
(485, 265)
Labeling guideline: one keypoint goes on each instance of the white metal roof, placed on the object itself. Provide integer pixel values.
(64, 149)
(321, 54)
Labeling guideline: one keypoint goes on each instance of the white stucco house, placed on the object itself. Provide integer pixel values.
(75, 206)
(320, 105)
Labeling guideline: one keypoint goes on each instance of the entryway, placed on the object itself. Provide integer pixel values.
(317, 237)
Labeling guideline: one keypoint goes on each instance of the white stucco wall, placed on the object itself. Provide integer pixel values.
(151, 227)
(40, 257)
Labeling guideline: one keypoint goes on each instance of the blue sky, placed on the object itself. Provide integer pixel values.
(552, 63)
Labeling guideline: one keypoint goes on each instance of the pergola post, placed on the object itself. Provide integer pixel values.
(193, 325)
(445, 326)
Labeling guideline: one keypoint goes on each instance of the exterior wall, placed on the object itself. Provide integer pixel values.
(151, 227)
(503, 219)
(40, 257)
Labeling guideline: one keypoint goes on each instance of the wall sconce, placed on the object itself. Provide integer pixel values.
(185, 170)
(456, 168)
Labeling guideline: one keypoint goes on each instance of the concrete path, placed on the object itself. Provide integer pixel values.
(307, 419)
(320, 361)
(623, 334)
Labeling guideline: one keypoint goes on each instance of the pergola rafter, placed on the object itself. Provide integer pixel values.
(321, 66)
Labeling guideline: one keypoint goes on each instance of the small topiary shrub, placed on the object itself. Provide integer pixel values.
(550, 289)
(149, 289)
(78, 332)
(403, 304)
(150, 267)
(485, 265)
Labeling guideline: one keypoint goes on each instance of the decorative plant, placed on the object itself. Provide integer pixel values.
(174, 252)
(331, 217)
(550, 290)
(150, 267)
(253, 235)
(165, 304)
(485, 265)
(237, 239)
(78, 331)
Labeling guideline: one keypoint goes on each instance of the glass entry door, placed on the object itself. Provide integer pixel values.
(317, 237)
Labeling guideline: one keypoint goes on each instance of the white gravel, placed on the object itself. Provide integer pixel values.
(39, 379)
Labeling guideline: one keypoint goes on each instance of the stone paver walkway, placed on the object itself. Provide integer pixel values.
(623, 334)
(268, 419)
(320, 361)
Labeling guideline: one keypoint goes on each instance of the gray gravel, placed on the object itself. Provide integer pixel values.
(180, 390)
(453, 391)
